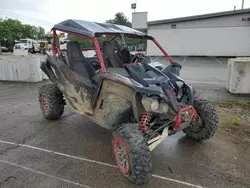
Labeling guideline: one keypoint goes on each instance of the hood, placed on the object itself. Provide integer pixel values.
(21, 44)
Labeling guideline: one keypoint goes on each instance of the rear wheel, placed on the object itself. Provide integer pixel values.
(132, 153)
(207, 122)
(51, 101)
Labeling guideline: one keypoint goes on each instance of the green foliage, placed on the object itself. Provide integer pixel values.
(48, 35)
(85, 43)
(11, 30)
(40, 33)
(236, 122)
(120, 19)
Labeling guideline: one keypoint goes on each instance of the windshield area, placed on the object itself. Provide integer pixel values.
(132, 44)
(140, 49)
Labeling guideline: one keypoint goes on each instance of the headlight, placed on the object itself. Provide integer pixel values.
(153, 105)
(150, 104)
(163, 108)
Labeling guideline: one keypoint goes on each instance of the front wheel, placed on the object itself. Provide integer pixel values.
(51, 101)
(132, 154)
(207, 122)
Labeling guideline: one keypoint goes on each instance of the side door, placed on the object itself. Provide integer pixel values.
(78, 91)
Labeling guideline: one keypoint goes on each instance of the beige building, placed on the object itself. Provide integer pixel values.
(216, 34)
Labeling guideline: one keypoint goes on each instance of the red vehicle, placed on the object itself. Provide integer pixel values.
(140, 104)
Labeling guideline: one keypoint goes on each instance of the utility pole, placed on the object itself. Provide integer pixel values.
(242, 7)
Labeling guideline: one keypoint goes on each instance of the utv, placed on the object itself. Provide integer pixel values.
(120, 91)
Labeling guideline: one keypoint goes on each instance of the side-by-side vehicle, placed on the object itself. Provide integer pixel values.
(142, 105)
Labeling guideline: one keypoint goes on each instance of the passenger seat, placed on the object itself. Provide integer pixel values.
(77, 62)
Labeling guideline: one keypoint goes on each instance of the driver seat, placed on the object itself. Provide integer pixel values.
(77, 62)
(125, 56)
(109, 56)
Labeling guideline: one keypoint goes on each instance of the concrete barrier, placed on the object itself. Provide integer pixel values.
(21, 68)
(44, 76)
(20, 52)
(239, 75)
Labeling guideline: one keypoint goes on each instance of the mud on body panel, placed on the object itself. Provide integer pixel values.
(116, 105)
(78, 91)
(78, 94)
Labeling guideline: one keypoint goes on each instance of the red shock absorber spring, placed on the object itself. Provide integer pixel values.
(145, 121)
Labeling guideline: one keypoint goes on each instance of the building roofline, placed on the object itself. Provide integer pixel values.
(138, 12)
(196, 17)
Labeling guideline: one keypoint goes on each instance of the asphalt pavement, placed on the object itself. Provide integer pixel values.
(74, 152)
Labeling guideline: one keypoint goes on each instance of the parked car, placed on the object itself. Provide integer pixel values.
(4, 49)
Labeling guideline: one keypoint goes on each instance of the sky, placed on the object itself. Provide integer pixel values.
(46, 13)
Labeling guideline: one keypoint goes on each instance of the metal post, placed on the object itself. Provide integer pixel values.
(242, 7)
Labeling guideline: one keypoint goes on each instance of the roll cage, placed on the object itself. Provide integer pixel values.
(97, 48)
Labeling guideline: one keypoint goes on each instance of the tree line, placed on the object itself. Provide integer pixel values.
(12, 29)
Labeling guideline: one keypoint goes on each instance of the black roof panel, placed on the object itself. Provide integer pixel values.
(94, 29)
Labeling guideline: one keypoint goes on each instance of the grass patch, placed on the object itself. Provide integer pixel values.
(234, 118)
(236, 122)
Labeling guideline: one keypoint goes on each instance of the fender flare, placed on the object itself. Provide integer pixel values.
(137, 106)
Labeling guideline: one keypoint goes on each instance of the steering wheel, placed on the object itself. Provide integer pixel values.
(137, 57)
(96, 65)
